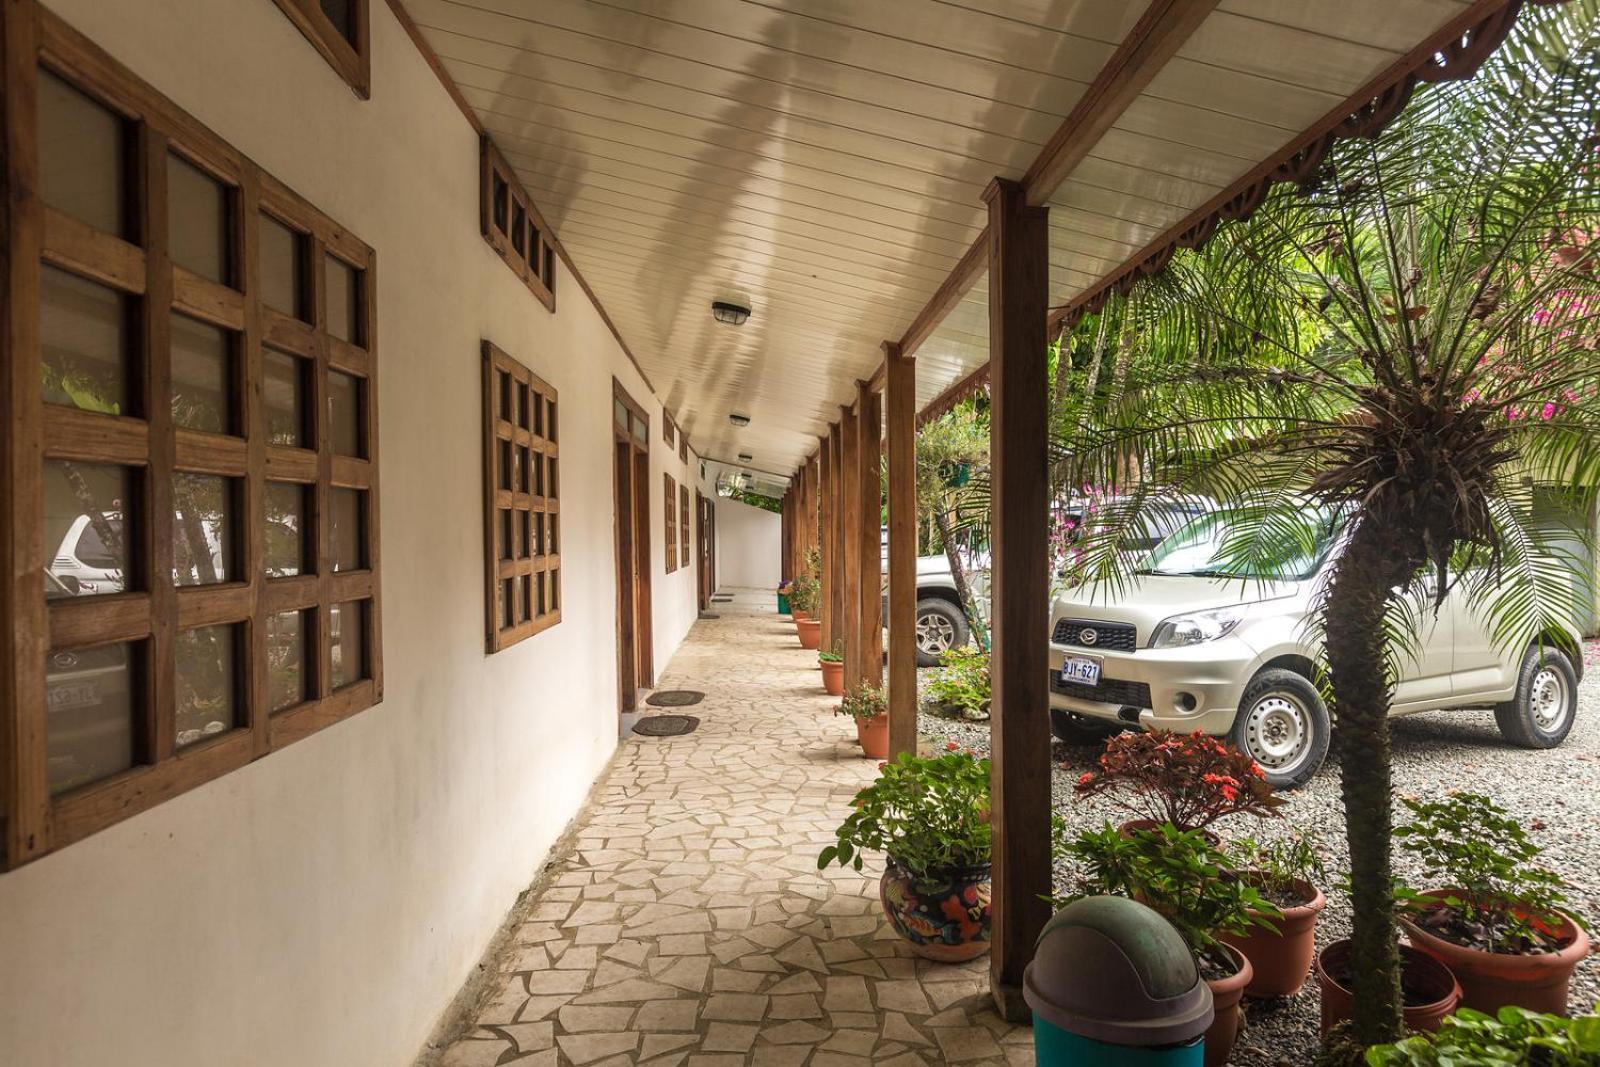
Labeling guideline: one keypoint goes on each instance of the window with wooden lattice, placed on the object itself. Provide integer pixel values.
(522, 501)
(513, 226)
(683, 524)
(671, 513)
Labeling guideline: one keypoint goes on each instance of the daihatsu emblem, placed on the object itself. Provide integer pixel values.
(1088, 635)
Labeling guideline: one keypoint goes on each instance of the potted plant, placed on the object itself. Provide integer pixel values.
(832, 662)
(1428, 991)
(1286, 871)
(1511, 1036)
(785, 587)
(802, 603)
(1189, 881)
(929, 815)
(1496, 919)
(810, 575)
(868, 706)
(1188, 781)
(960, 684)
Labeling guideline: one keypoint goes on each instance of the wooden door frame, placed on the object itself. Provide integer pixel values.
(631, 521)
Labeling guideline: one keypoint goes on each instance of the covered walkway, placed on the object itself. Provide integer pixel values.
(686, 922)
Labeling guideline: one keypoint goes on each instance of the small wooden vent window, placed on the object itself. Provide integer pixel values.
(671, 513)
(683, 525)
(668, 431)
(341, 31)
(522, 501)
(513, 226)
(191, 479)
(683, 446)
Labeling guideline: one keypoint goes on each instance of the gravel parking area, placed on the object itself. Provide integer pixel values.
(1556, 793)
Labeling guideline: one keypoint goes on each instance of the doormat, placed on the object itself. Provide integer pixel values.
(722, 600)
(674, 698)
(709, 615)
(665, 725)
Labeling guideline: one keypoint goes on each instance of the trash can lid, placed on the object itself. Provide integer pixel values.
(1113, 970)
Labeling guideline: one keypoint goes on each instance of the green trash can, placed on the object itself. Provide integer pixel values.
(1112, 983)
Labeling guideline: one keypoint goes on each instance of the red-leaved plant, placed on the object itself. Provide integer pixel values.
(1190, 780)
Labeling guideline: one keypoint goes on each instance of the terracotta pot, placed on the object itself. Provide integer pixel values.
(1491, 980)
(873, 734)
(832, 676)
(799, 615)
(810, 631)
(944, 916)
(1430, 989)
(1282, 960)
(1155, 824)
(1225, 996)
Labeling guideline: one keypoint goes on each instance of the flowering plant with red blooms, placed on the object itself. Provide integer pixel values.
(1190, 780)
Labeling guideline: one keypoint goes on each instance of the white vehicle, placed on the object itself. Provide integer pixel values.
(1188, 647)
(83, 562)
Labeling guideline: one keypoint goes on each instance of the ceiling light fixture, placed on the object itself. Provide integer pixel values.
(729, 313)
(739, 420)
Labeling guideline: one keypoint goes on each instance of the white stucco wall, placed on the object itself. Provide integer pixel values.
(323, 905)
(749, 546)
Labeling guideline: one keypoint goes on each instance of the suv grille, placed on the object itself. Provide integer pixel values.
(1113, 636)
(1109, 691)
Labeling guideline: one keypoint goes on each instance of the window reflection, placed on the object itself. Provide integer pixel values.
(90, 696)
(206, 691)
(202, 529)
(288, 667)
(346, 627)
(86, 528)
(284, 548)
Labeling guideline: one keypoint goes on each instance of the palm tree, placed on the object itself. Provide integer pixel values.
(1408, 341)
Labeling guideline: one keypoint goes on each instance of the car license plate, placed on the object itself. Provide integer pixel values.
(73, 695)
(1081, 670)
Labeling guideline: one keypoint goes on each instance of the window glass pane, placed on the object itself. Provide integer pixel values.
(619, 411)
(285, 543)
(348, 543)
(523, 462)
(207, 698)
(288, 665)
(641, 429)
(202, 529)
(501, 202)
(342, 14)
(88, 523)
(550, 487)
(202, 375)
(342, 282)
(281, 280)
(519, 228)
(283, 387)
(82, 157)
(91, 695)
(197, 220)
(507, 538)
(84, 342)
(347, 632)
(503, 463)
(550, 422)
(344, 413)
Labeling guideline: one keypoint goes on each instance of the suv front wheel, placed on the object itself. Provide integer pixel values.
(940, 625)
(1541, 714)
(1283, 725)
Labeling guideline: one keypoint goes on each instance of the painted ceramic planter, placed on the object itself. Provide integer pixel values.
(1492, 980)
(1225, 996)
(944, 917)
(1282, 959)
(1430, 989)
(832, 676)
(810, 631)
(873, 734)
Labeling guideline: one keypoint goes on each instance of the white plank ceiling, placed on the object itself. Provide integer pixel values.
(823, 161)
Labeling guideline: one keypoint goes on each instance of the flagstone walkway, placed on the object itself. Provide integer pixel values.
(690, 925)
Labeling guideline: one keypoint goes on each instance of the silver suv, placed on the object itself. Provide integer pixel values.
(1189, 647)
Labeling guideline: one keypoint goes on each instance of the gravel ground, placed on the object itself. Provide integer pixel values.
(1556, 793)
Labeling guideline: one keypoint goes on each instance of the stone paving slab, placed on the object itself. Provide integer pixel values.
(689, 926)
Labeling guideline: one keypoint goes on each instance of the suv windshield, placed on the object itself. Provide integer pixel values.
(1209, 547)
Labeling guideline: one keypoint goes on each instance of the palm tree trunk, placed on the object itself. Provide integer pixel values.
(958, 573)
(1380, 557)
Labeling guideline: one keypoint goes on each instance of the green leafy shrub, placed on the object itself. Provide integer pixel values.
(1278, 867)
(864, 703)
(1515, 1037)
(928, 813)
(962, 681)
(831, 655)
(806, 591)
(1501, 900)
(1179, 873)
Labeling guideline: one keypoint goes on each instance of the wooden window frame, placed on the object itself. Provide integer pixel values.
(35, 822)
(668, 432)
(535, 264)
(683, 446)
(352, 62)
(683, 524)
(535, 501)
(670, 514)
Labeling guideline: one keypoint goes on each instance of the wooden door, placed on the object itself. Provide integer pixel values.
(627, 610)
(631, 490)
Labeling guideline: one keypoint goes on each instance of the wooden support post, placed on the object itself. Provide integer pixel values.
(823, 609)
(835, 556)
(869, 599)
(900, 416)
(1020, 724)
(850, 546)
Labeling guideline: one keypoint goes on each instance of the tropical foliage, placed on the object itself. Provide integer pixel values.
(1187, 781)
(1513, 1037)
(930, 813)
(961, 681)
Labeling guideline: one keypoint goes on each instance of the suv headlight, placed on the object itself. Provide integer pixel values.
(1196, 627)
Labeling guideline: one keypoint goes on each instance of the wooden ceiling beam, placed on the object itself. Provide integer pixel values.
(1158, 35)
